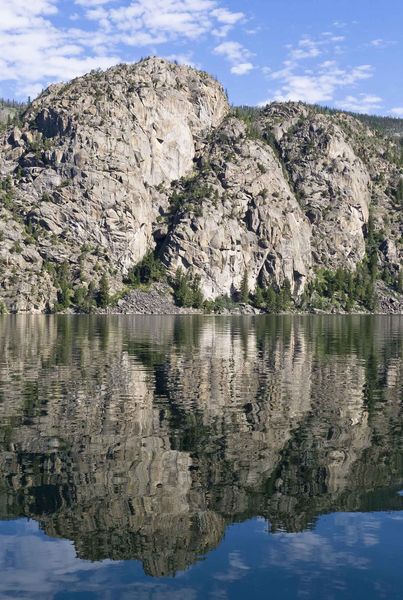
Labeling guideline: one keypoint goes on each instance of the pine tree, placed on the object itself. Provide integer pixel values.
(103, 295)
(183, 292)
(198, 299)
(259, 297)
(370, 298)
(271, 300)
(244, 292)
(340, 280)
(79, 297)
(285, 296)
(372, 250)
(65, 292)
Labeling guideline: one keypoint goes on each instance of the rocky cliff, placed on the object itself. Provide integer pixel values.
(151, 158)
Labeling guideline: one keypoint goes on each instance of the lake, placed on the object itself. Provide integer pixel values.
(201, 457)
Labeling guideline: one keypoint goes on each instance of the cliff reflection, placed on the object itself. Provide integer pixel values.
(144, 437)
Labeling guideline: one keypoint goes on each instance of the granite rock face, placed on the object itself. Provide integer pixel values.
(115, 164)
(284, 198)
(330, 180)
(247, 221)
(91, 157)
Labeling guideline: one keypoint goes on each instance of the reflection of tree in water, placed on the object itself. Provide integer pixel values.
(144, 437)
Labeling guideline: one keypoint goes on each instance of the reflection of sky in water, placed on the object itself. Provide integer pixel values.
(347, 555)
(145, 438)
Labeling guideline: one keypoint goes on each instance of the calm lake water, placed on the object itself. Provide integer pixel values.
(193, 457)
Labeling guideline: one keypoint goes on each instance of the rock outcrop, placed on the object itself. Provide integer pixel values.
(115, 164)
(91, 158)
(239, 215)
(282, 194)
(331, 181)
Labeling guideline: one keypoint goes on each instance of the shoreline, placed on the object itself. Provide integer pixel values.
(201, 313)
(159, 300)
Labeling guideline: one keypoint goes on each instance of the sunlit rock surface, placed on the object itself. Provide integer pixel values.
(150, 157)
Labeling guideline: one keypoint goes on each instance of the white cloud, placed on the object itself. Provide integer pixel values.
(237, 55)
(30, 90)
(182, 59)
(242, 68)
(307, 48)
(317, 86)
(397, 112)
(93, 3)
(340, 24)
(380, 43)
(167, 20)
(237, 568)
(42, 568)
(225, 16)
(363, 103)
(20, 14)
(35, 52)
(32, 565)
(319, 81)
(253, 31)
(227, 20)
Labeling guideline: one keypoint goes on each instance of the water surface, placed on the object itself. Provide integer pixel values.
(197, 457)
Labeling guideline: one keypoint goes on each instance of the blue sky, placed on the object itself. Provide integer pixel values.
(343, 53)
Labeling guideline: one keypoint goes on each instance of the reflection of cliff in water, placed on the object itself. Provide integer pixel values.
(144, 437)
